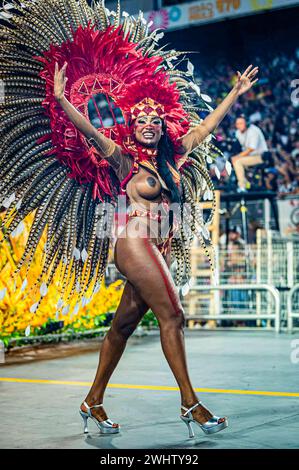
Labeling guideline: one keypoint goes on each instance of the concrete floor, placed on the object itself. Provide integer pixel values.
(45, 415)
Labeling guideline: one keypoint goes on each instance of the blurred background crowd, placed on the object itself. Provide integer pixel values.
(269, 41)
(267, 105)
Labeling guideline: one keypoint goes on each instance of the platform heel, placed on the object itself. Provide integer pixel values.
(85, 418)
(187, 421)
(106, 426)
(213, 425)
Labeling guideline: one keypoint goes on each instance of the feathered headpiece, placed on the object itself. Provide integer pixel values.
(147, 107)
(155, 95)
(115, 69)
(48, 168)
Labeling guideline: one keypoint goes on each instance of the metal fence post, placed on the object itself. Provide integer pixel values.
(290, 312)
(290, 263)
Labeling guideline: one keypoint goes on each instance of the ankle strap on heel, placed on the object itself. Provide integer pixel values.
(188, 410)
(90, 407)
(94, 406)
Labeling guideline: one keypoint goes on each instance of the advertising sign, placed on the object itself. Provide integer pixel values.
(288, 210)
(205, 11)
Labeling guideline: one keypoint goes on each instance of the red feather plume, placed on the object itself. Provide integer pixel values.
(103, 62)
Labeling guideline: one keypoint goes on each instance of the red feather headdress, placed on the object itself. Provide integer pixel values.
(167, 104)
(105, 62)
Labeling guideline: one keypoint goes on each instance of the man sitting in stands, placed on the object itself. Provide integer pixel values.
(253, 145)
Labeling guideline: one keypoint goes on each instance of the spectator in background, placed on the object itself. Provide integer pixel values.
(253, 145)
(234, 236)
(253, 226)
(268, 105)
(233, 266)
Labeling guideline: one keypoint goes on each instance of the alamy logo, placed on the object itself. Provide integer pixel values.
(295, 352)
(295, 92)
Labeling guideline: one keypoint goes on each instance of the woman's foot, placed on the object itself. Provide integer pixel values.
(200, 413)
(99, 413)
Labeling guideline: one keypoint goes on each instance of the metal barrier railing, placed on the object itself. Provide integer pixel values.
(290, 314)
(249, 316)
(271, 261)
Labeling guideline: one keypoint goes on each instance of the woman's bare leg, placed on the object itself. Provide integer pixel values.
(130, 311)
(142, 263)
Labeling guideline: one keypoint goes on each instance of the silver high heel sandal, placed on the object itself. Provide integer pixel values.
(106, 426)
(209, 427)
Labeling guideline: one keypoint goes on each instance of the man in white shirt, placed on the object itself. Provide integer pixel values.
(253, 145)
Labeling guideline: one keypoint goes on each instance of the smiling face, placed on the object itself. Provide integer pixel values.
(148, 130)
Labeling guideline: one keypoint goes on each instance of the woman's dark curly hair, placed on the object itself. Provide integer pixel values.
(166, 154)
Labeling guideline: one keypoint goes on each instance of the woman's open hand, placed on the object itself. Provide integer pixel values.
(59, 81)
(245, 81)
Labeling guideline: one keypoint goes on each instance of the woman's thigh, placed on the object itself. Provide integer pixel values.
(140, 261)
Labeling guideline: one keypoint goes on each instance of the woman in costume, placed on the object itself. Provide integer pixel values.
(157, 155)
(143, 260)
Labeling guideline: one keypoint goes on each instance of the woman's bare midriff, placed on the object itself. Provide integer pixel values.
(144, 192)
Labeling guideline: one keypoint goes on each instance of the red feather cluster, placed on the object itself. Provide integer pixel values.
(103, 62)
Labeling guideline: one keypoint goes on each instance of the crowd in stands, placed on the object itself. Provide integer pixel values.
(272, 104)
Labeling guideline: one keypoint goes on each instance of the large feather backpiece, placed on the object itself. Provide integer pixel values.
(46, 165)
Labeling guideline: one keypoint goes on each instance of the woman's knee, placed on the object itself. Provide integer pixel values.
(122, 329)
(125, 324)
(127, 329)
(174, 320)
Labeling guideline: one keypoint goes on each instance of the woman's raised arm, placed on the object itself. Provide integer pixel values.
(196, 135)
(105, 146)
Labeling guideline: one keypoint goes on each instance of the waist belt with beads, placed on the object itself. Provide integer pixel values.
(152, 215)
(145, 213)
